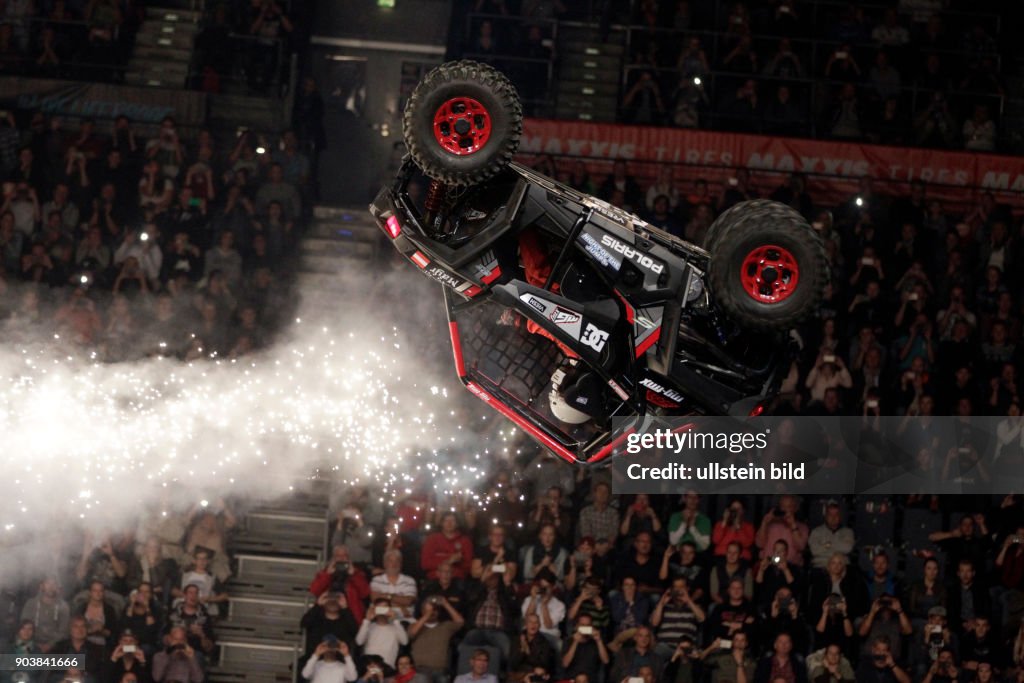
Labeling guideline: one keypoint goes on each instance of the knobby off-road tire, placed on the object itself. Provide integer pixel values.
(768, 267)
(463, 123)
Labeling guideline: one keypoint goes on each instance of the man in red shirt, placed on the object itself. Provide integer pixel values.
(449, 547)
(341, 576)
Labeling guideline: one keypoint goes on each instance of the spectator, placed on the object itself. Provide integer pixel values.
(190, 614)
(889, 33)
(276, 189)
(431, 638)
(676, 616)
(881, 666)
(532, 650)
(398, 588)
(782, 664)
(330, 616)
(546, 554)
(831, 536)
(49, 614)
(728, 568)
(730, 659)
(380, 633)
(832, 667)
(690, 524)
(179, 661)
(733, 528)
(585, 651)
(979, 132)
(968, 598)
(331, 662)
(128, 658)
(599, 520)
(341, 576)
(480, 663)
(492, 615)
(543, 603)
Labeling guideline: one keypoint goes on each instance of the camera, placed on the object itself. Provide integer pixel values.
(1014, 539)
(342, 567)
(784, 604)
(885, 602)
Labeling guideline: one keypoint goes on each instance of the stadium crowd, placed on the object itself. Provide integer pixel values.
(906, 73)
(543, 575)
(130, 246)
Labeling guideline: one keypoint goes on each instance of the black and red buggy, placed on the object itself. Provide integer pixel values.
(566, 312)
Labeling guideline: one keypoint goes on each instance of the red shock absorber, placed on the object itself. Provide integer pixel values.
(433, 204)
(435, 194)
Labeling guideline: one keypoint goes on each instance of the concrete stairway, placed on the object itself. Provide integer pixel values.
(338, 248)
(163, 48)
(277, 550)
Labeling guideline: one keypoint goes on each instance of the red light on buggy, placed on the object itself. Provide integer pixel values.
(758, 409)
(394, 229)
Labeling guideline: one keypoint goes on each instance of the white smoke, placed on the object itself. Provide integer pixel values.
(354, 384)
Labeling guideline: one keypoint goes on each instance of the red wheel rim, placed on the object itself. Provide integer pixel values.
(462, 126)
(770, 274)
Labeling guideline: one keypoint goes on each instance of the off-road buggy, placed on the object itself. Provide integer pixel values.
(566, 312)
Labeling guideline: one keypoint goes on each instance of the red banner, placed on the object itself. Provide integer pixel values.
(832, 167)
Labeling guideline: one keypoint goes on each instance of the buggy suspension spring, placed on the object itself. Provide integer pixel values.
(435, 195)
(433, 205)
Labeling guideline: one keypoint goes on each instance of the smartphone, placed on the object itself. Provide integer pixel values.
(382, 611)
(872, 403)
(725, 644)
(784, 9)
(733, 182)
(194, 202)
(911, 374)
(818, 225)
(586, 630)
(841, 55)
(128, 649)
(963, 450)
(868, 261)
(498, 568)
(913, 296)
(829, 358)
(635, 679)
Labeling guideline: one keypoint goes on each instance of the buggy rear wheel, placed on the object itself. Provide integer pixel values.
(463, 123)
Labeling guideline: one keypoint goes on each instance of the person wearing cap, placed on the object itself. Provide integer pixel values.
(331, 662)
(127, 657)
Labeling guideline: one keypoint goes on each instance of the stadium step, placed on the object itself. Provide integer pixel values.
(254, 660)
(590, 65)
(164, 46)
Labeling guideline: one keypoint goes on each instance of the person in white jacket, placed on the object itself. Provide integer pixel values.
(331, 663)
(381, 634)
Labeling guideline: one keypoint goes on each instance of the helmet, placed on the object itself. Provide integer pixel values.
(575, 395)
